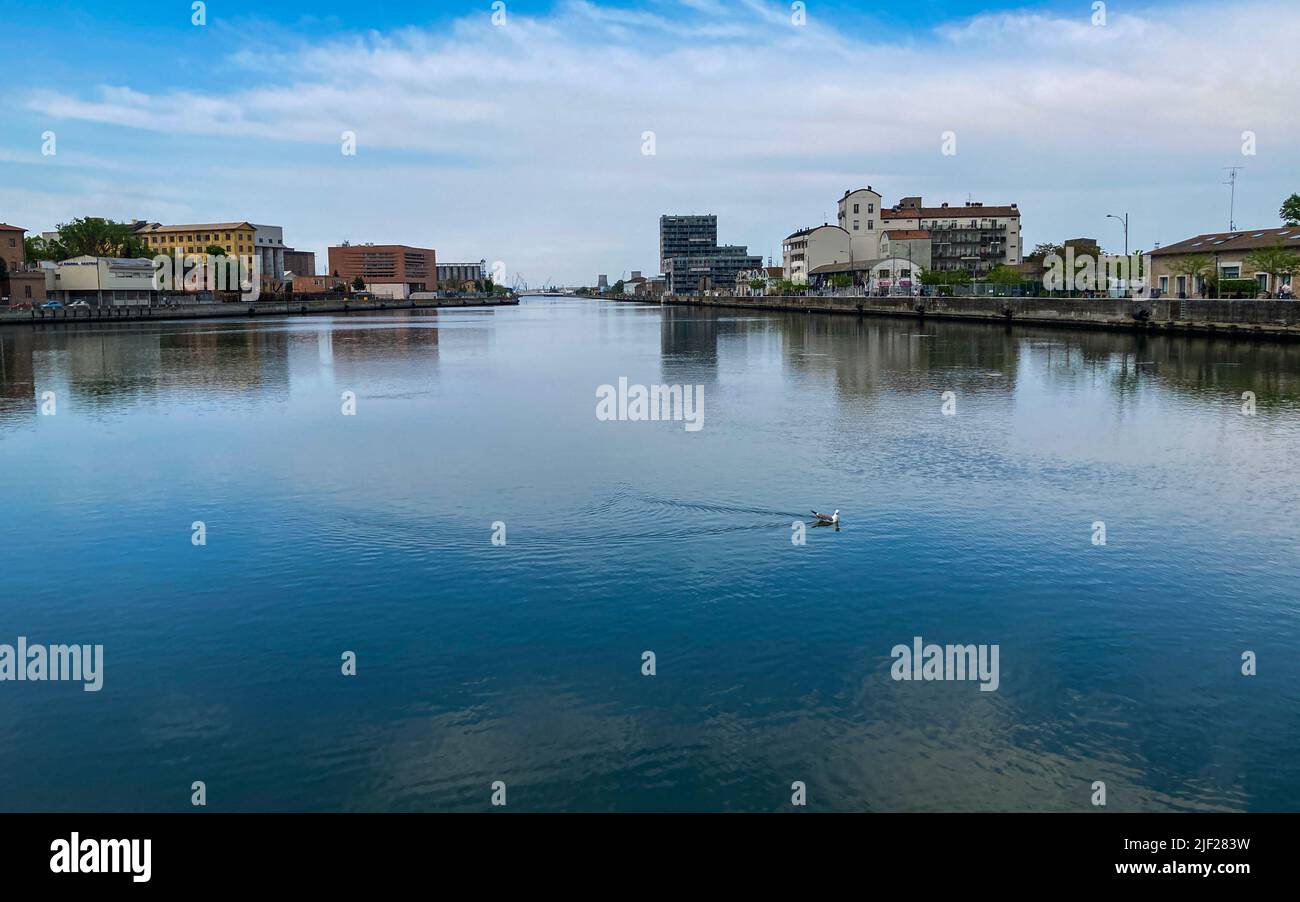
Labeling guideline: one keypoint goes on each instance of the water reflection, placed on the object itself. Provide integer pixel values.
(373, 532)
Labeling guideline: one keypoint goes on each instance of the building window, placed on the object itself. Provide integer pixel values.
(871, 208)
(870, 224)
(1164, 283)
(1231, 272)
(27, 291)
(855, 209)
(855, 225)
(13, 242)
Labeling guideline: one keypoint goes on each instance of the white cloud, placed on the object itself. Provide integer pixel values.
(534, 130)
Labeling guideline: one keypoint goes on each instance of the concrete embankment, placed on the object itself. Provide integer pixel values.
(1251, 319)
(137, 313)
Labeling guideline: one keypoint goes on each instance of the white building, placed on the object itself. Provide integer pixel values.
(102, 281)
(807, 249)
(860, 216)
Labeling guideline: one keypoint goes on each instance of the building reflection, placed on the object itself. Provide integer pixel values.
(106, 365)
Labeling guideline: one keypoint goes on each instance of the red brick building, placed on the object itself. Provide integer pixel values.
(389, 270)
(11, 246)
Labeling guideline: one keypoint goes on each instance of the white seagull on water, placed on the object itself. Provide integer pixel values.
(828, 518)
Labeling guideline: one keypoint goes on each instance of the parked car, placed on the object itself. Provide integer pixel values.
(52, 305)
(21, 305)
(79, 304)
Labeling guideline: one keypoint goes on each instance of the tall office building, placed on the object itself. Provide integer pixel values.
(686, 236)
(691, 258)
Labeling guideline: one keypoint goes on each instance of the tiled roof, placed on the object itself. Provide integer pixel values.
(907, 234)
(154, 227)
(962, 212)
(1240, 240)
(809, 231)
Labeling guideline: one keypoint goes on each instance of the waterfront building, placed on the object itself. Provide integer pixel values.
(461, 276)
(686, 236)
(691, 258)
(389, 270)
(712, 272)
(768, 275)
(893, 275)
(237, 238)
(860, 216)
(807, 249)
(972, 237)
(1230, 256)
(103, 281)
(265, 243)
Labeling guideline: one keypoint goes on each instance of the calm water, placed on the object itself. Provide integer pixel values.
(372, 533)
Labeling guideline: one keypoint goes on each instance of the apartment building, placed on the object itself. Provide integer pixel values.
(973, 237)
(389, 270)
(860, 215)
(805, 250)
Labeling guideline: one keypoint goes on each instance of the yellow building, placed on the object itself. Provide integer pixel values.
(237, 238)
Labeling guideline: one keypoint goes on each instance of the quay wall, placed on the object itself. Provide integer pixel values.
(1252, 318)
(300, 307)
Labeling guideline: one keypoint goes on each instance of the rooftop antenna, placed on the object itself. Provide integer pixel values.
(1232, 197)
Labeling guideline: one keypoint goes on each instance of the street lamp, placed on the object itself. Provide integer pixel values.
(1124, 220)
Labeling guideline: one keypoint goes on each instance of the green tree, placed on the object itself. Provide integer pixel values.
(93, 236)
(1042, 251)
(1196, 267)
(1277, 261)
(1290, 211)
(358, 284)
(1003, 275)
(841, 281)
(37, 248)
(947, 277)
(215, 250)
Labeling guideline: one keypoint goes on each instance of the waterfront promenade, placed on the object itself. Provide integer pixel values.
(297, 307)
(1248, 318)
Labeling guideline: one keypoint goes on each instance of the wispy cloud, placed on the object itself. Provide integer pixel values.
(534, 129)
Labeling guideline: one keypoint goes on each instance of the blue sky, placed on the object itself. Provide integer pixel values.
(523, 142)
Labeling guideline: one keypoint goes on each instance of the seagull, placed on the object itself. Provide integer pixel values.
(828, 518)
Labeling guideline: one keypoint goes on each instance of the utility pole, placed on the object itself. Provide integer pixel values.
(1232, 200)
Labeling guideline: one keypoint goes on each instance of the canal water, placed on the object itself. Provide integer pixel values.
(966, 518)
